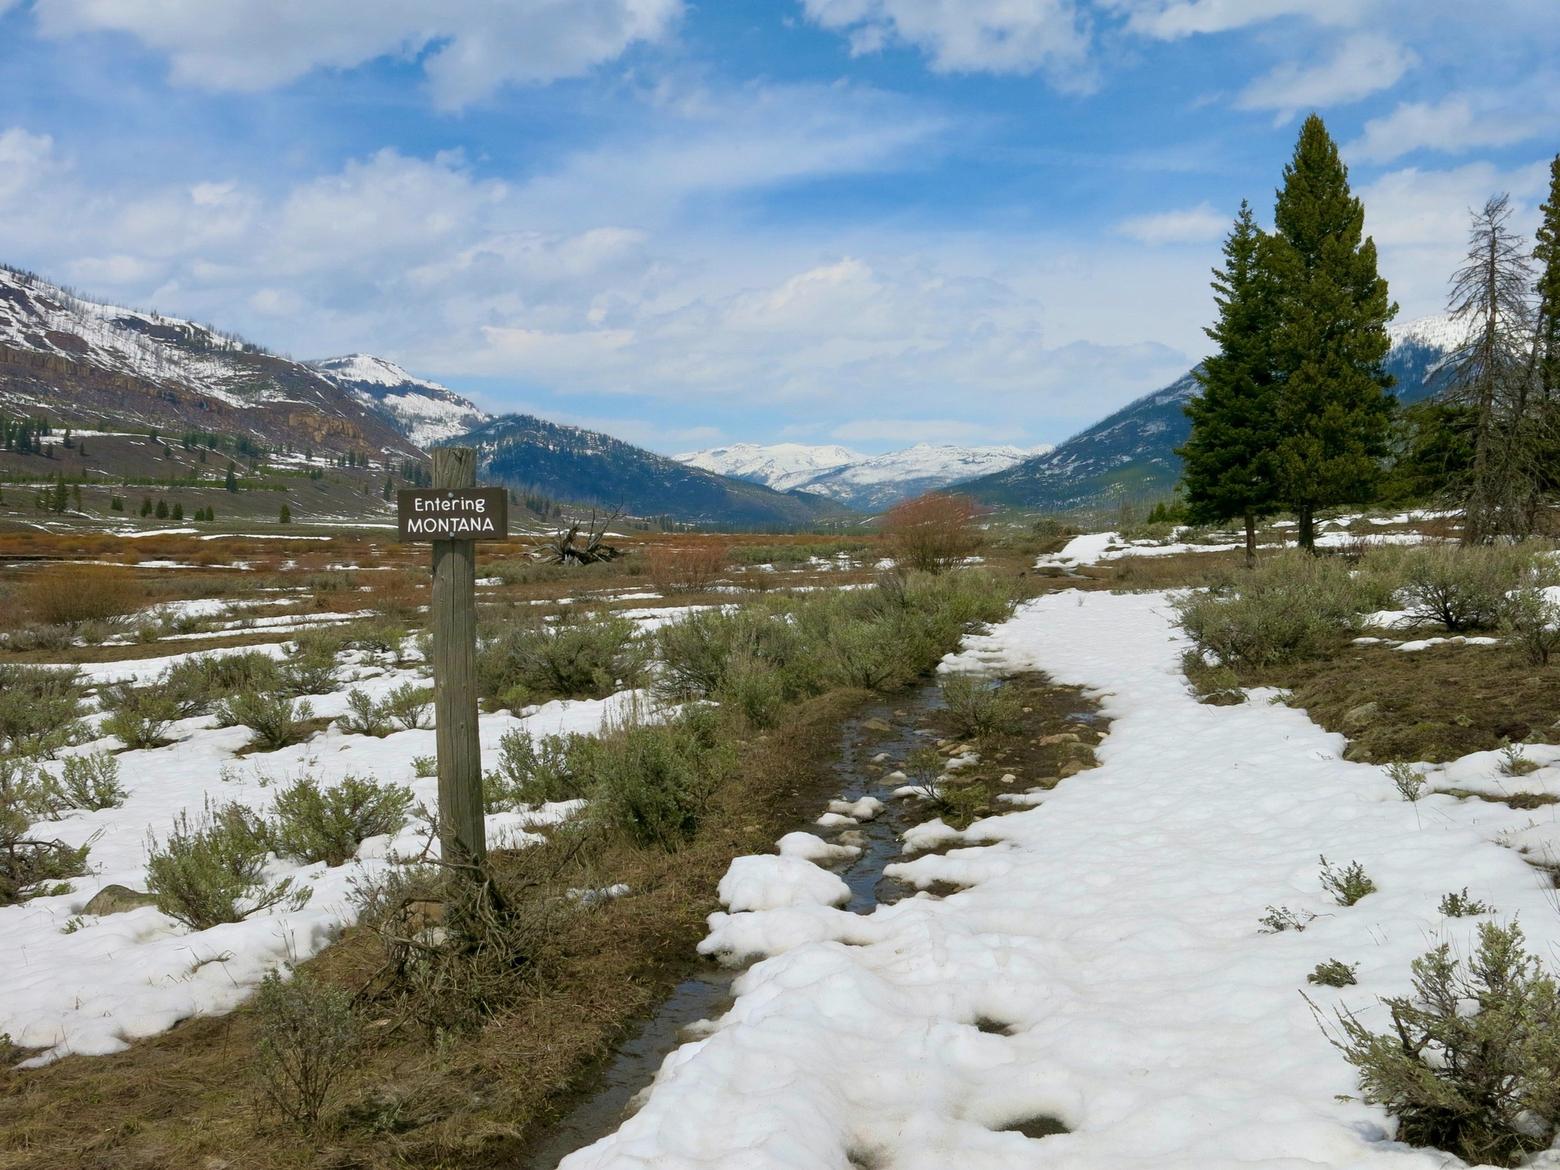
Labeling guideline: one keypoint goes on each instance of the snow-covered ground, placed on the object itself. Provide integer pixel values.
(1113, 931)
(114, 978)
(1093, 548)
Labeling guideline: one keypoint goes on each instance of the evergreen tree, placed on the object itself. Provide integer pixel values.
(1331, 337)
(75, 496)
(146, 506)
(162, 509)
(1546, 251)
(1229, 456)
(61, 495)
(285, 516)
(389, 488)
(178, 513)
(231, 482)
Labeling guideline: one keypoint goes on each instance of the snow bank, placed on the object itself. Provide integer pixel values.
(1113, 933)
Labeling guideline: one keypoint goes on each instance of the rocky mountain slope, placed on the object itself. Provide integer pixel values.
(570, 463)
(866, 482)
(424, 411)
(1130, 455)
(89, 364)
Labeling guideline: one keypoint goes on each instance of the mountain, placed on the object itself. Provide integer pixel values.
(782, 466)
(423, 411)
(570, 463)
(81, 362)
(1131, 454)
(867, 482)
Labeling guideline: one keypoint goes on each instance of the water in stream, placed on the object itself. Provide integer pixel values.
(889, 729)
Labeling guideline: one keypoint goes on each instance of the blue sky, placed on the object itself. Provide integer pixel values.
(861, 221)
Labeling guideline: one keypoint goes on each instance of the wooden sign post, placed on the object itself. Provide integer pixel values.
(453, 514)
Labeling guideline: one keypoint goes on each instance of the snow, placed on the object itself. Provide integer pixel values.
(840, 472)
(1113, 932)
(124, 976)
(768, 883)
(810, 847)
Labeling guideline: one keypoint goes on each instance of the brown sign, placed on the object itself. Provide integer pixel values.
(453, 514)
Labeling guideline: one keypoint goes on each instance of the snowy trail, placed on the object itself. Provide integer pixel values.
(1114, 931)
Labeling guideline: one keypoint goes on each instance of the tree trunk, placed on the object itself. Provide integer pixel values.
(1251, 540)
(1306, 514)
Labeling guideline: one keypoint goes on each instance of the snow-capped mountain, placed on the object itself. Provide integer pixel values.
(64, 356)
(1131, 453)
(781, 466)
(859, 481)
(424, 411)
(588, 467)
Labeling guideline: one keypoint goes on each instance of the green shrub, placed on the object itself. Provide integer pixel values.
(425, 767)
(1278, 919)
(653, 782)
(328, 824)
(310, 665)
(139, 717)
(198, 684)
(275, 720)
(1460, 905)
(212, 870)
(32, 865)
(1462, 587)
(92, 782)
(411, 706)
(1347, 885)
(535, 772)
(977, 708)
(1532, 622)
(1471, 1064)
(308, 1038)
(1408, 780)
(364, 716)
(1333, 973)
(38, 709)
(577, 657)
(1290, 607)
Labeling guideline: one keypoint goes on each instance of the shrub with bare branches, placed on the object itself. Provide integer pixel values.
(685, 568)
(932, 533)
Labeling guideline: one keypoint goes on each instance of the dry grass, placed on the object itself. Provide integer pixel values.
(66, 594)
(685, 568)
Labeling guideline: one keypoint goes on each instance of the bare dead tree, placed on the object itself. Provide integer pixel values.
(1493, 373)
(580, 543)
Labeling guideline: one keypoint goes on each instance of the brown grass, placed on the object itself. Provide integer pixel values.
(66, 594)
(1432, 705)
(685, 568)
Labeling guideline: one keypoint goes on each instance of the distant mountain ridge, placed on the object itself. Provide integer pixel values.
(1131, 454)
(525, 452)
(867, 482)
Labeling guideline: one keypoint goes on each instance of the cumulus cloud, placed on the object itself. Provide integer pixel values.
(1361, 66)
(468, 48)
(972, 36)
(1456, 123)
(1192, 225)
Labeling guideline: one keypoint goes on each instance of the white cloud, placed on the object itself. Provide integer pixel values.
(1173, 19)
(1193, 225)
(1420, 218)
(1363, 65)
(468, 48)
(26, 160)
(972, 36)
(1457, 123)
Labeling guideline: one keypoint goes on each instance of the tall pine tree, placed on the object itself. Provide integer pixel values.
(1229, 458)
(1331, 339)
(1546, 252)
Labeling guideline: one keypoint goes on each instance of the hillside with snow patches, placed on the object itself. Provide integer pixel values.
(1130, 455)
(425, 411)
(867, 482)
(84, 362)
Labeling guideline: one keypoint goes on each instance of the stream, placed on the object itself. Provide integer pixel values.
(704, 994)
